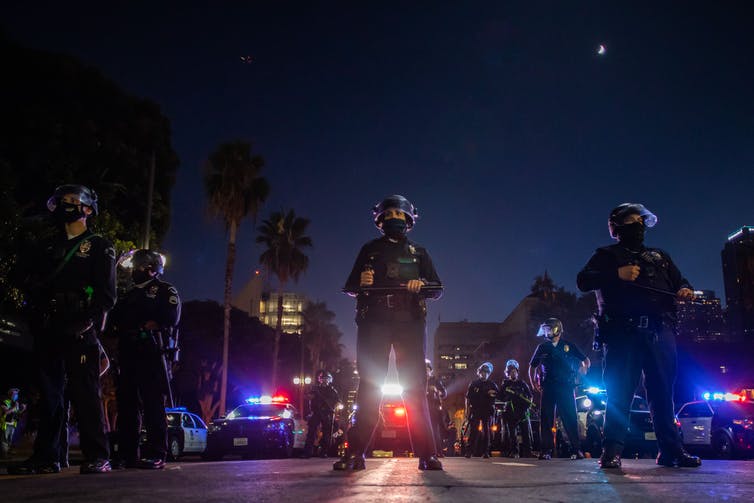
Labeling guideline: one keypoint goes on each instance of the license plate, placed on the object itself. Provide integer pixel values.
(389, 434)
(240, 442)
(650, 435)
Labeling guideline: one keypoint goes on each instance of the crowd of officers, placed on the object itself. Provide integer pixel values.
(70, 286)
(72, 289)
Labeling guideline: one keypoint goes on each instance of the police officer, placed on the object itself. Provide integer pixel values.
(518, 398)
(552, 372)
(323, 398)
(391, 279)
(436, 393)
(145, 320)
(73, 290)
(636, 288)
(480, 407)
(10, 410)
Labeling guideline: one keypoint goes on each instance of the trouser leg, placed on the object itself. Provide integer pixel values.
(83, 379)
(566, 405)
(547, 420)
(622, 369)
(128, 423)
(660, 371)
(372, 357)
(409, 342)
(51, 366)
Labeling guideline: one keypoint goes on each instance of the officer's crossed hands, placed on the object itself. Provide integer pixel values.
(629, 272)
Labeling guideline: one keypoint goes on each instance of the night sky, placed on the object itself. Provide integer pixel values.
(497, 119)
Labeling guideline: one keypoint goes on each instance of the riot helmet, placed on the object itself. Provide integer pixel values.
(71, 212)
(398, 202)
(324, 377)
(619, 213)
(510, 364)
(148, 260)
(485, 368)
(551, 328)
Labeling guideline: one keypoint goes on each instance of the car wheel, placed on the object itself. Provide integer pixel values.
(174, 448)
(722, 445)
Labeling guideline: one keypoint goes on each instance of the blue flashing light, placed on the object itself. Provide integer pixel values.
(176, 409)
(706, 395)
(587, 402)
(594, 390)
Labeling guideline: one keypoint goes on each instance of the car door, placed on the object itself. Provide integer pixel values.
(696, 423)
(200, 434)
(189, 437)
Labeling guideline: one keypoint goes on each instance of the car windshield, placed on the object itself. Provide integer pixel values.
(735, 410)
(257, 410)
(174, 419)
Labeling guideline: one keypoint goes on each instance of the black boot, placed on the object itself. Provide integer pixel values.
(151, 463)
(96, 466)
(354, 462)
(610, 458)
(430, 463)
(32, 467)
(680, 459)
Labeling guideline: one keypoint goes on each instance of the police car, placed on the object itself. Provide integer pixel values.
(263, 425)
(187, 433)
(391, 437)
(641, 440)
(722, 423)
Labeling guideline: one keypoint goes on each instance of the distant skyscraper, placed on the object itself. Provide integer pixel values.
(738, 273)
(702, 320)
(293, 307)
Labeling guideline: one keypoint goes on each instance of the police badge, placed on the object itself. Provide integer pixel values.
(566, 348)
(84, 249)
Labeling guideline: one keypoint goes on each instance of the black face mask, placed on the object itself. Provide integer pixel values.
(631, 235)
(394, 228)
(68, 213)
(140, 276)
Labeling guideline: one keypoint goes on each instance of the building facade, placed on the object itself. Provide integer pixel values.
(738, 274)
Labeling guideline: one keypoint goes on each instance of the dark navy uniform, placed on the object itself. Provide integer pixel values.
(143, 370)
(436, 393)
(396, 319)
(70, 303)
(637, 328)
(517, 396)
(481, 401)
(324, 399)
(559, 367)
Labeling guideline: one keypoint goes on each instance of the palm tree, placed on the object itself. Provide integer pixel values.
(284, 235)
(235, 190)
(322, 335)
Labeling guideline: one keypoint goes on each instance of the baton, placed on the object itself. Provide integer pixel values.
(662, 291)
(393, 289)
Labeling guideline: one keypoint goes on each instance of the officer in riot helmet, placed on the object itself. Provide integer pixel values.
(552, 372)
(391, 279)
(518, 401)
(323, 400)
(70, 288)
(636, 289)
(145, 321)
(436, 393)
(480, 408)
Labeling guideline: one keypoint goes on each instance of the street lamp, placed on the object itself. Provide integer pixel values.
(301, 381)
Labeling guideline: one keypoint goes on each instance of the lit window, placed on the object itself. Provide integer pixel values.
(460, 366)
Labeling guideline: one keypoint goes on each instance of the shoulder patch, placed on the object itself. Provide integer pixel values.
(173, 300)
(110, 252)
(173, 290)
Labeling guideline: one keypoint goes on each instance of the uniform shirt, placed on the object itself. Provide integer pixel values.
(394, 264)
(324, 398)
(624, 298)
(84, 289)
(512, 391)
(560, 362)
(154, 300)
(481, 401)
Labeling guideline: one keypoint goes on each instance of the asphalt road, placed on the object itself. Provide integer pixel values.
(386, 480)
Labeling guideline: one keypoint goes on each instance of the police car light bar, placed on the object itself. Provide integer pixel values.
(728, 397)
(265, 399)
(594, 390)
(176, 409)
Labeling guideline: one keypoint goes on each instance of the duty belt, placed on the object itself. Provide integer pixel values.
(643, 321)
(392, 301)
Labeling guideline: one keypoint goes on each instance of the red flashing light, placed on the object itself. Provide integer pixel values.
(400, 411)
(280, 399)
